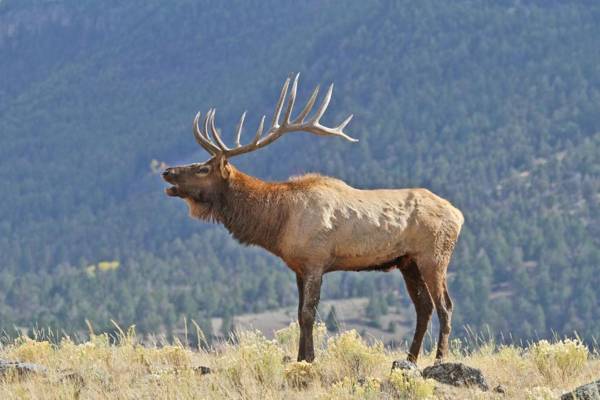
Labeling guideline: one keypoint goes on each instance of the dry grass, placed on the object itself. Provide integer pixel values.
(255, 368)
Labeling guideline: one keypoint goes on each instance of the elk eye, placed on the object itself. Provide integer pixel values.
(203, 170)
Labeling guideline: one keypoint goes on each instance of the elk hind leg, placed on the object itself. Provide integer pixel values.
(300, 284)
(419, 294)
(435, 278)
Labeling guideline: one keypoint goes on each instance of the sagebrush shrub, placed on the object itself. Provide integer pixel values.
(175, 356)
(289, 337)
(510, 357)
(253, 360)
(348, 355)
(300, 374)
(353, 389)
(413, 387)
(562, 359)
(30, 350)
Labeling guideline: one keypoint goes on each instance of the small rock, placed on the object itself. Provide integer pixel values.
(456, 374)
(500, 389)
(405, 365)
(591, 391)
(202, 370)
(20, 369)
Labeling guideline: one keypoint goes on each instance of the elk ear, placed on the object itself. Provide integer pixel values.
(224, 167)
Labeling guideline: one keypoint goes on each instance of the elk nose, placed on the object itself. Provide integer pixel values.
(168, 173)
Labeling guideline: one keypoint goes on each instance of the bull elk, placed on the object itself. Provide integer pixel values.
(317, 224)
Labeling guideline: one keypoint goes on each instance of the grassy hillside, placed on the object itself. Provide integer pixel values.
(346, 368)
(490, 104)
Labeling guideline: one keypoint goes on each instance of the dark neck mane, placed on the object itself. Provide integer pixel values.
(254, 211)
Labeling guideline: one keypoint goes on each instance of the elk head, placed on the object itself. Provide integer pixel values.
(202, 184)
(198, 179)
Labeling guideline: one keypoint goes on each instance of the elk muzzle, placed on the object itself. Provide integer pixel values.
(170, 175)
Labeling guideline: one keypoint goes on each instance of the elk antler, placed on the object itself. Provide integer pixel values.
(276, 130)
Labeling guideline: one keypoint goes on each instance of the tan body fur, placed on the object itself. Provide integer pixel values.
(315, 221)
(337, 227)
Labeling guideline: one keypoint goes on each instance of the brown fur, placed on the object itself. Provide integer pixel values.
(253, 211)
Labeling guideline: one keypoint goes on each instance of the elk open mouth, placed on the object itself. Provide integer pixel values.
(173, 192)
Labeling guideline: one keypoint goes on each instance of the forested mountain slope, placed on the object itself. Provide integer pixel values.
(493, 105)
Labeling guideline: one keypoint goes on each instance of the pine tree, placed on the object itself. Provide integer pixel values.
(227, 326)
(392, 327)
(374, 310)
(331, 322)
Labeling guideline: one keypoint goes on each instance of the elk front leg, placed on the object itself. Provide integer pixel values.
(311, 293)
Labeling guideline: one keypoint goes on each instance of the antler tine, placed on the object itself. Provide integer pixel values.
(206, 133)
(291, 101)
(206, 122)
(275, 121)
(215, 133)
(309, 105)
(259, 131)
(321, 130)
(202, 141)
(324, 104)
(315, 126)
(341, 126)
(238, 133)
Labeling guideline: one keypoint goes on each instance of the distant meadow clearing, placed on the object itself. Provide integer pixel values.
(254, 367)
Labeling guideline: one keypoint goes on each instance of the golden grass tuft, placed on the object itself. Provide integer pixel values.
(252, 367)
